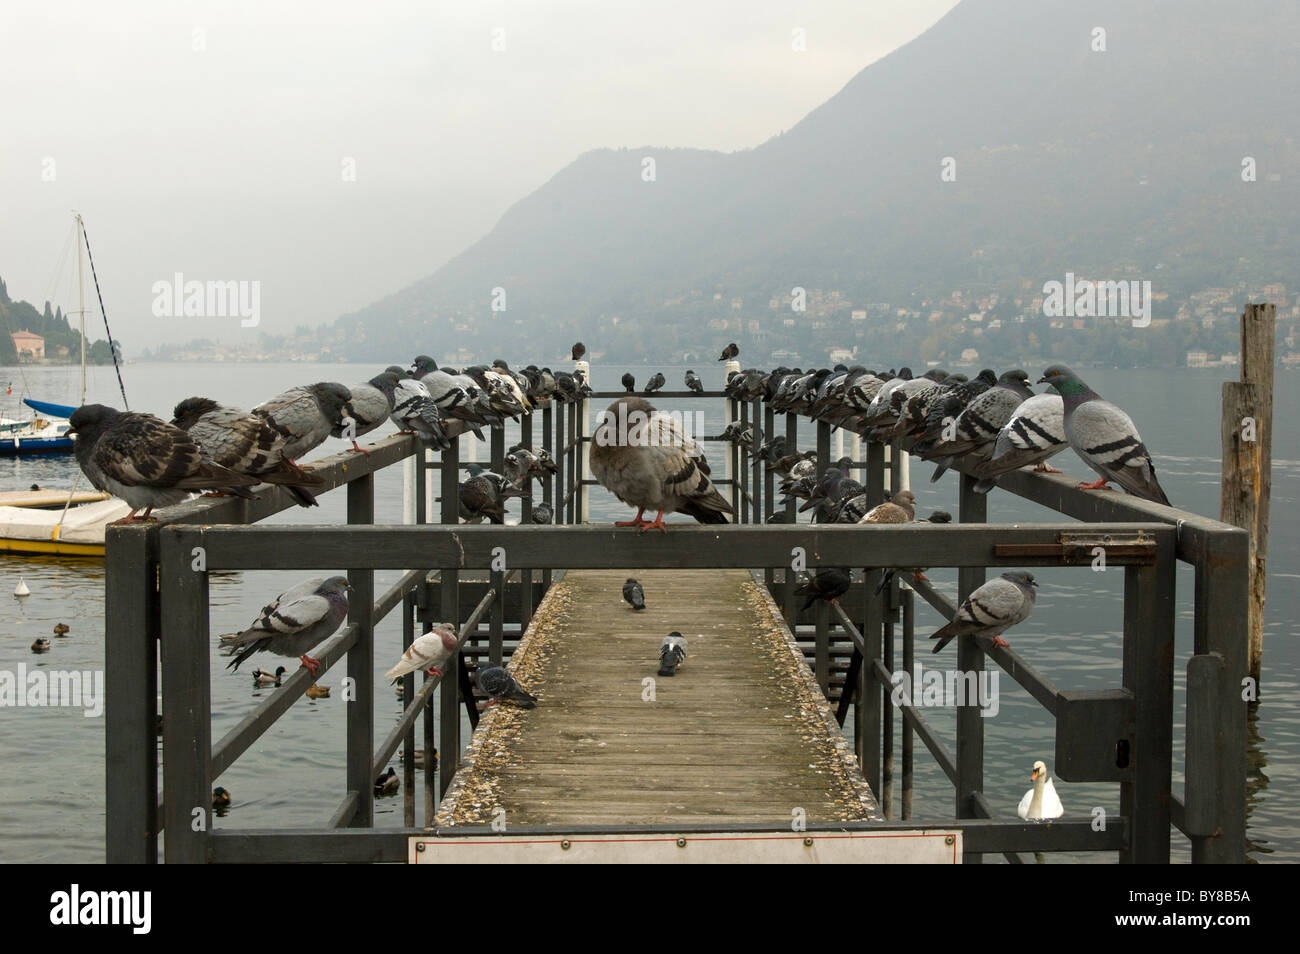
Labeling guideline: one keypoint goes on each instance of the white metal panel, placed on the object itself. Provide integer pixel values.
(875, 847)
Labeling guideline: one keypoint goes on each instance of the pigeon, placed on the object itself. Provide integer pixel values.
(144, 460)
(305, 416)
(646, 459)
(389, 783)
(297, 620)
(978, 424)
(246, 444)
(428, 652)
(672, 653)
(485, 495)
(828, 584)
(693, 382)
(730, 351)
(542, 513)
(370, 405)
(629, 383)
(633, 593)
(656, 382)
(500, 685)
(991, 610)
(1041, 801)
(1034, 432)
(579, 350)
(1105, 437)
(901, 508)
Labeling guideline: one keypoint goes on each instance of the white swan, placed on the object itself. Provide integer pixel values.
(1041, 801)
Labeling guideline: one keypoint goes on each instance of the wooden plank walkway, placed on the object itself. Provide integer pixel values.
(740, 734)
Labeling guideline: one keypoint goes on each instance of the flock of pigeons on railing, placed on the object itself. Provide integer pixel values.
(991, 424)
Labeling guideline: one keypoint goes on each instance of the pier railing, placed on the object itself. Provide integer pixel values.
(489, 579)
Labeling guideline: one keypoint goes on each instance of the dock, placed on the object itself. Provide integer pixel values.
(741, 734)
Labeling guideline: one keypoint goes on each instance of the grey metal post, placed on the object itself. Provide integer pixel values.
(871, 688)
(1149, 675)
(875, 482)
(548, 487)
(361, 664)
(1222, 632)
(187, 701)
(130, 704)
(822, 653)
(972, 508)
(909, 632)
(788, 606)
(761, 501)
(887, 708)
(408, 693)
(769, 493)
(449, 688)
(741, 473)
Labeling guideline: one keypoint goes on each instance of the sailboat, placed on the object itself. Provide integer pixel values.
(30, 521)
(47, 434)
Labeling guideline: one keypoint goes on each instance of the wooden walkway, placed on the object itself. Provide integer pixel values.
(740, 734)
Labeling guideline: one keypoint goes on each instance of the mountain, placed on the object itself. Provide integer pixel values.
(1117, 163)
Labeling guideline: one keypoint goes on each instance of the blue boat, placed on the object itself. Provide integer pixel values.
(44, 435)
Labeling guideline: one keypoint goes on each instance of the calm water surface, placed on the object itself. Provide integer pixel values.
(52, 789)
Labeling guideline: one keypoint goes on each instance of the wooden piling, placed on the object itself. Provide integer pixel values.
(1247, 432)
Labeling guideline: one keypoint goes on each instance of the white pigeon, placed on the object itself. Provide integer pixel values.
(428, 652)
(1041, 801)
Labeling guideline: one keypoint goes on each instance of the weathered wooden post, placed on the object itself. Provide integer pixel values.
(1247, 431)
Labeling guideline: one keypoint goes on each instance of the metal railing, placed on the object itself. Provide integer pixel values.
(1121, 735)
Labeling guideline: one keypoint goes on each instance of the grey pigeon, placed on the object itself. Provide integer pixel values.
(634, 595)
(657, 381)
(647, 461)
(542, 513)
(730, 351)
(246, 444)
(500, 685)
(672, 653)
(306, 415)
(299, 619)
(370, 404)
(144, 460)
(1034, 432)
(1105, 437)
(693, 382)
(991, 610)
(977, 426)
(579, 350)
(629, 383)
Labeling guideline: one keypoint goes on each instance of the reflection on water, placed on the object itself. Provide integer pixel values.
(52, 789)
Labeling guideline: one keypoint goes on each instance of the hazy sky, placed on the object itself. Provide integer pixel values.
(210, 138)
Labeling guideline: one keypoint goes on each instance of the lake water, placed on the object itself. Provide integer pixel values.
(52, 789)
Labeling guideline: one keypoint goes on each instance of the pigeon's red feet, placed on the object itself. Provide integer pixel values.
(133, 517)
(637, 521)
(999, 641)
(435, 671)
(656, 524)
(1095, 485)
(311, 663)
(1046, 468)
(918, 575)
(214, 493)
(834, 602)
(359, 450)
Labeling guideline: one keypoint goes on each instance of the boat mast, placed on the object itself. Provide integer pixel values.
(81, 302)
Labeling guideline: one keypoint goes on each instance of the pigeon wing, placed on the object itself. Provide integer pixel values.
(1107, 440)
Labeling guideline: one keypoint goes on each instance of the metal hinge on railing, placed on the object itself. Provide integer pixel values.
(1084, 547)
